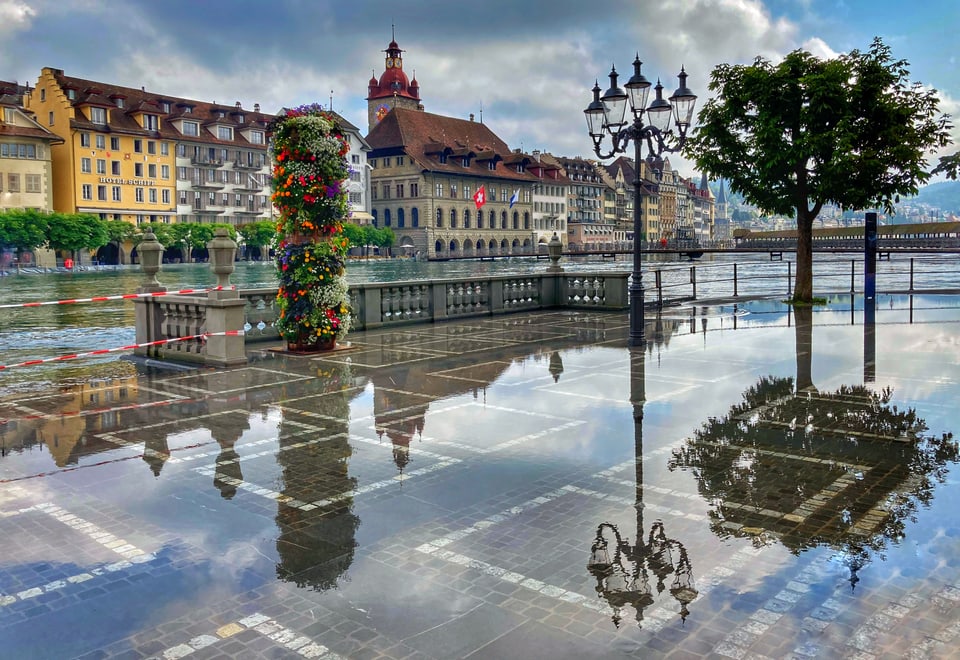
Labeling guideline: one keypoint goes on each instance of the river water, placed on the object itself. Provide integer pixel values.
(48, 331)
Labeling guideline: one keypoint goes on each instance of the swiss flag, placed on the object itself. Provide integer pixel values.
(480, 197)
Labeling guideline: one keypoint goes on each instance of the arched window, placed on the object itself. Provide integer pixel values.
(374, 214)
(386, 217)
(479, 219)
(453, 247)
(416, 217)
(503, 220)
(516, 220)
(453, 219)
(438, 247)
(526, 220)
(439, 217)
(466, 218)
(400, 219)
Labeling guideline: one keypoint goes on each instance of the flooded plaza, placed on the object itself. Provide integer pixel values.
(755, 482)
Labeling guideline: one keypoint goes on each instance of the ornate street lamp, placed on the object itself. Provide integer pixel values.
(606, 116)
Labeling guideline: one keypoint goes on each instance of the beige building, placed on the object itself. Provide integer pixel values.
(25, 171)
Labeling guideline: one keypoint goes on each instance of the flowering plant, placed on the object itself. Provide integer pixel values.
(309, 170)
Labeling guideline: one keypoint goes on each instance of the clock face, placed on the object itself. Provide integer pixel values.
(389, 62)
(382, 111)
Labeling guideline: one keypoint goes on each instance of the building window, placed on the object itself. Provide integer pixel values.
(453, 191)
(165, 106)
(416, 217)
(491, 165)
(101, 166)
(138, 170)
(117, 195)
(439, 217)
(401, 221)
(386, 217)
(164, 171)
(86, 191)
(399, 191)
(152, 170)
(165, 195)
(399, 160)
(151, 147)
(102, 193)
(182, 150)
(139, 195)
(115, 144)
(33, 183)
(439, 191)
(50, 118)
(101, 142)
(182, 174)
(151, 122)
(153, 195)
(224, 133)
(355, 198)
(256, 137)
(164, 148)
(182, 197)
(453, 218)
(191, 128)
(85, 165)
(372, 163)
(414, 190)
(466, 218)
(355, 159)
(85, 140)
(98, 115)
(386, 191)
(138, 146)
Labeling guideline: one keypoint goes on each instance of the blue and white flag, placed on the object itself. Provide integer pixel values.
(515, 197)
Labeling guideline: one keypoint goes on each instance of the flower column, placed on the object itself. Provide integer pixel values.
(309, 171)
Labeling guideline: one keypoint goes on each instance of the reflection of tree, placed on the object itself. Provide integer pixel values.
(316, 546)
(808, 468)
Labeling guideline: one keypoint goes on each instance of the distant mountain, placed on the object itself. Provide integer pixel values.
(945, 195)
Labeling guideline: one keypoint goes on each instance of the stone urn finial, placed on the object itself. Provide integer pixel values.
(150, 251)
(223, 251)
(554, 249)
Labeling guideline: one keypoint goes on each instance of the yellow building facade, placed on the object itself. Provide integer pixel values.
(114, 160)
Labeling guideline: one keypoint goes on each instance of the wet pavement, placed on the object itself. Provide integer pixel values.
(754, 483)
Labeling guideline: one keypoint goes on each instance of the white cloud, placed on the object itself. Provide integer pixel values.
(14, 16)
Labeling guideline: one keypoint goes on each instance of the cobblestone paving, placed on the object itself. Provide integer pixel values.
(744, 486)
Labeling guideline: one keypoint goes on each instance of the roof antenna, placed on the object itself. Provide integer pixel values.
(481, 112)
(393, 31)
(331, 101)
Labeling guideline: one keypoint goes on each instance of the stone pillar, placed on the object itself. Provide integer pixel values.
(147, 317)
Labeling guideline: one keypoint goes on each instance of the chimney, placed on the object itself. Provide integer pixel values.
(256, 107)
(471, 116)
(238, 105)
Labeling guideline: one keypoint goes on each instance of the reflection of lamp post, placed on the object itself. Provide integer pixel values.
(607, 116)
(617, 584)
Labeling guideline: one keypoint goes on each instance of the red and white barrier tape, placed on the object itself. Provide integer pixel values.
(124, 296)
(102, 351)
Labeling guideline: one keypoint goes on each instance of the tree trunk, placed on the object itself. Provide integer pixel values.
(803, 287)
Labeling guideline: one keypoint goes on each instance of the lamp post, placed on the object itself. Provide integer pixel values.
(606, 117)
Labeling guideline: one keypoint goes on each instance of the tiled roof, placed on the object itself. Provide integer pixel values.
(425, 137)
(140, 100)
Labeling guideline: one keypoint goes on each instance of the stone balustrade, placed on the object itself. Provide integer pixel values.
(373, 305)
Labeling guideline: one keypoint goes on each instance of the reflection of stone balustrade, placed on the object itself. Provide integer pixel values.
(375, 305)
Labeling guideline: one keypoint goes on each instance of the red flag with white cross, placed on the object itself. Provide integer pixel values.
(480, 197)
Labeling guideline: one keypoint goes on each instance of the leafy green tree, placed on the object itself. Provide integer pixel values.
(73, 232)
(181, 236)
(794, 136)
(24, 230)
(162, 231)
(258, 234)
(949, 166)
(383, 237)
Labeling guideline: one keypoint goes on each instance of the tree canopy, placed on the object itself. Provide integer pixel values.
(791, 137)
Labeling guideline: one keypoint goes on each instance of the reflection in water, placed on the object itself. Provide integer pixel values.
(660, 556)
(805, 468)
(316, 546)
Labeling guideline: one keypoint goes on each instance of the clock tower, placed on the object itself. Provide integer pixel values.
(392, 90)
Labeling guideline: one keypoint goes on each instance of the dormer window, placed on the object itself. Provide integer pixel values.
(151, 122)
(240, 119)
(224, 132)
(98, 115)
(256, 137)
(165, 106)
(491, 165)
(465, 161)
(71, 94)
(118, 101)
(443, 158)
(191, 128)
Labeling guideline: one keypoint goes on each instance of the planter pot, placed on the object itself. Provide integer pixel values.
(318, 347)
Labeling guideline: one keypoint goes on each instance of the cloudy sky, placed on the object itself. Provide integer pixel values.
(529, 64)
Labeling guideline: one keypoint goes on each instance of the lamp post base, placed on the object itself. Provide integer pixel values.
(637, 320)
